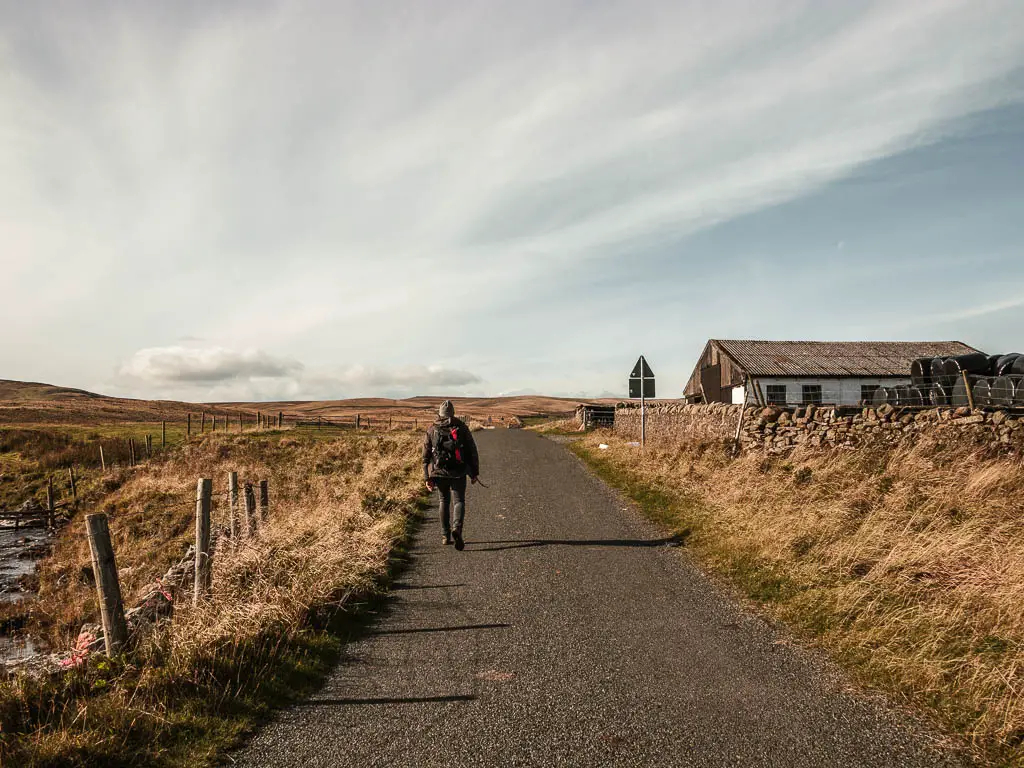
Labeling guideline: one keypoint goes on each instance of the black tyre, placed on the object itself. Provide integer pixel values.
(939, 395)
(958, 395)
(976, 364)
(938, 371)
(982, 391)
(1004, 365)
(921, 371)
(1018, 391)
(1001, 392)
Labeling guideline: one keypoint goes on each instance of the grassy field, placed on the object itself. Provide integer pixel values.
(341, 505)
(906, 564)
(29, 403)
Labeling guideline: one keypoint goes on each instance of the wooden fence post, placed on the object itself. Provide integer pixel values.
(108, 587)
(163, 434)
(280, 419)
(239, 422)
(74, 485)
(357, 421)
(250, 511)
(967, 386)
(214, 417)
(233, 506)
(204, 503)
(103, 461)
(51, 509)
(188, 432)
(149, 446)
(264, 500)
(131, 452)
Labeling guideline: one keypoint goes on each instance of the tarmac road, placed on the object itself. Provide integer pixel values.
(571, 632)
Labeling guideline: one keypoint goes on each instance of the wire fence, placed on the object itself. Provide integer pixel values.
(974, 381)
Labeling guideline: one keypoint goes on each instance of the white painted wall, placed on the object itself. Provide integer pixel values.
(842, 391)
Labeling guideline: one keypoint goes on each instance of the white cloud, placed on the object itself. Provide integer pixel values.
(203, 366)
(218, 374)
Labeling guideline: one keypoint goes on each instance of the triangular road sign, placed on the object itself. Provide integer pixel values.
(641, 370)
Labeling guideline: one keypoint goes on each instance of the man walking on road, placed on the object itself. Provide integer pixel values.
(449, 455)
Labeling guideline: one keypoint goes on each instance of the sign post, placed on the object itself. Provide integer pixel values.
(641, 385)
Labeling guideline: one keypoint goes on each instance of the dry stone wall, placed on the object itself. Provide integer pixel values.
(678, 421)
(777, 430)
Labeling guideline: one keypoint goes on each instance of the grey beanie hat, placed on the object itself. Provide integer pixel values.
(446, 410)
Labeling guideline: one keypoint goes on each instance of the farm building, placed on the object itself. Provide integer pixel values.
(801, 372)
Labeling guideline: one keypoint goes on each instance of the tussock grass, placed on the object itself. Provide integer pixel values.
(193, 685)
(907, 563)
(565, 426)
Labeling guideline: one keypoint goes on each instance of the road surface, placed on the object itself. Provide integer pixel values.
(571, 632)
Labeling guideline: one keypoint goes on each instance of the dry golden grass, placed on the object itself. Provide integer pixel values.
(338, 507)
(907, 563)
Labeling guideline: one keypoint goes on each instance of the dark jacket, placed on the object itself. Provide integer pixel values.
(470, 461)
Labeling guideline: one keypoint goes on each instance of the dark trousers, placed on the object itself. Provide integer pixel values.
(451, 520)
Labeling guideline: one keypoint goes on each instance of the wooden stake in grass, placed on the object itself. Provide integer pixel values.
(250, 511)
(280, 419)
(214, 426)
(51, 509)
(204, 503)
(108, 587)
(163, 434)
(149, 446)
(74, 485)
(967, 386)
(188, 429)
(264, 500)
(131, 452)
(103, 461)
(233, 506)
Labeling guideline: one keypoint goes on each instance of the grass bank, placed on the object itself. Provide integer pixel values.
(906, 564)
(193, 686)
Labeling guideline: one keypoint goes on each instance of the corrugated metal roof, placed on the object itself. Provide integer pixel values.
(834, 358)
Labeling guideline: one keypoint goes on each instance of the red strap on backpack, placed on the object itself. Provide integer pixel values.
(455, 439)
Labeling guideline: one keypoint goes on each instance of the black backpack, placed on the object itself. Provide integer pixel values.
(448, 449)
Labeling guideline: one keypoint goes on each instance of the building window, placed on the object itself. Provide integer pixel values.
(867, 393)
(811, 393)
(776, 394)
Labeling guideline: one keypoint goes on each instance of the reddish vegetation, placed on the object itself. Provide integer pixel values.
(28, 403)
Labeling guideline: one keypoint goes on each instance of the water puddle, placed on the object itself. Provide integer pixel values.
(17, 648)
(19, 550)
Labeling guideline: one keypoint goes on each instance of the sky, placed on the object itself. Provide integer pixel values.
(306, 200)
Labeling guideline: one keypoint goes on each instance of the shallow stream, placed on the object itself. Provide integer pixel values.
(19, 550)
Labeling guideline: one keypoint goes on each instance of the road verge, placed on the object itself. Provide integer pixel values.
(906, 564)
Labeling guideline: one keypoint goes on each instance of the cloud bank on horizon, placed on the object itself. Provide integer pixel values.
(313, 199)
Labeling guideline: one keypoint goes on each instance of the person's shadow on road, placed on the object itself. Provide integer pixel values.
(675, 540)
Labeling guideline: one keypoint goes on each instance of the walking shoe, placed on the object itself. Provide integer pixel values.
(459, 543)
(446, 540)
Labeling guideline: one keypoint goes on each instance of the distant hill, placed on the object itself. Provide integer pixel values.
(30, 390)
(35, 403)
